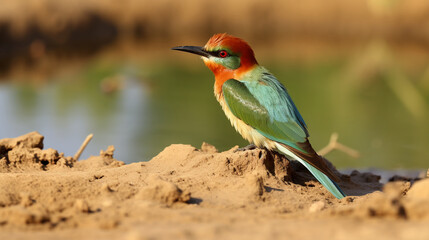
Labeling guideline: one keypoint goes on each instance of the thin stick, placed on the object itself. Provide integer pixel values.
(334, 144)
(83, 146)
(351, 152)
(330, 146)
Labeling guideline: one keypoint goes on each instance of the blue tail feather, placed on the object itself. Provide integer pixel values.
(324, 180)
(321, 177)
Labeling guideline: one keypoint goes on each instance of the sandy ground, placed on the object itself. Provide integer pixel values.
(190, 193)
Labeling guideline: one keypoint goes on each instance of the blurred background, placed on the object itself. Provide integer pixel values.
(358, 68)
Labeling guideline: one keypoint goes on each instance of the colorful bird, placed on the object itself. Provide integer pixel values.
(259, 106)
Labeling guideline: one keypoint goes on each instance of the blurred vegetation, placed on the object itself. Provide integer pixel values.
(191, 19)
(30, 29)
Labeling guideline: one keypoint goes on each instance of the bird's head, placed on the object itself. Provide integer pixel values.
(224, 53)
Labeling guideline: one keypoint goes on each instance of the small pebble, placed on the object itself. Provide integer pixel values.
(26, 200)
(317, 206)
(81, 205)
(106, 188)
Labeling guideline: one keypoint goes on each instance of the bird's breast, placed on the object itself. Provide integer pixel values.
(246, 131)
(223, 74)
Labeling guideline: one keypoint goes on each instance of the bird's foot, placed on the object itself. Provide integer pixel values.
(248, 147)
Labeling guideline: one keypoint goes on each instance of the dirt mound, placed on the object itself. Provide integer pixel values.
(185, 192)
(26, 153)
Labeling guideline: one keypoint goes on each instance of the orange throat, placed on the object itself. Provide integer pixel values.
(223, 74)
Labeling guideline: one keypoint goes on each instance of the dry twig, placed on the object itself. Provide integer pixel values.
(334, 144)
(83, 146)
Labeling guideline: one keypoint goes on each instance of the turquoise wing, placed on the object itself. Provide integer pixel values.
(266, 106)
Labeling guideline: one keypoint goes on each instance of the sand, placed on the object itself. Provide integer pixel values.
(190, 193)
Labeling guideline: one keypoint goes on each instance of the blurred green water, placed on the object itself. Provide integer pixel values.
(153, 105)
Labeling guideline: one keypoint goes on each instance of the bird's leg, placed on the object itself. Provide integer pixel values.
(248, 147)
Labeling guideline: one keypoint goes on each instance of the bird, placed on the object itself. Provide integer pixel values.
(258, 106)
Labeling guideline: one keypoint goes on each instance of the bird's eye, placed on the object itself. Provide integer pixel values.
(223, 54)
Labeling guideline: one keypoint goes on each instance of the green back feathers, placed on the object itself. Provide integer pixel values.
(263, 103)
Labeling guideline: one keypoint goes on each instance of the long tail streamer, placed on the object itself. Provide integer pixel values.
(321, 177)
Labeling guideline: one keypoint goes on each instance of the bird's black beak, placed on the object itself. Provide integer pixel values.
(193, 49)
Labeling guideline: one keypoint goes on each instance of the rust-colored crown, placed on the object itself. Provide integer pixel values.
(236, 45)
